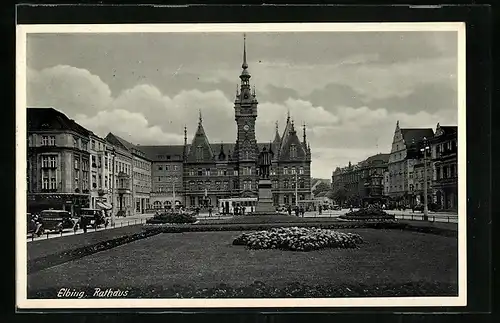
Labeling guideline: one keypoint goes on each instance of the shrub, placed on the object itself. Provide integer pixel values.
(298, 239)
(171, 217)
(368, 214)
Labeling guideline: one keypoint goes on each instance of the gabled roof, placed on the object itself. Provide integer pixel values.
(48, 118)
(119, 142)
(445, 130)
(200, 140)
(415, 135)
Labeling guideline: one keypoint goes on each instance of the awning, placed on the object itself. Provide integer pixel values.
(104, 205)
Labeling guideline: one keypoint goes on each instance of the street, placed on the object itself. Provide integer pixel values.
(119, 222)
(402, 215)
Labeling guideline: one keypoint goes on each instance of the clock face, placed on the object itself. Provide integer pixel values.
(246, 127)
(245, 95)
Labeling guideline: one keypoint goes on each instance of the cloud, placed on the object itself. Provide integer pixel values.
(129, 125)
(75, 90)
(144, 115)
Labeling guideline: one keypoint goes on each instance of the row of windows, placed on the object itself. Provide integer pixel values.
(142, 177)
(245, 171)
(167, 167)
(167, 178)
(142, 164)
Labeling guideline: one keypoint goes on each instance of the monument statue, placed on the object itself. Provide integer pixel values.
(265, 158)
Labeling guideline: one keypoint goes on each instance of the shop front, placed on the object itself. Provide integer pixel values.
(72, 202)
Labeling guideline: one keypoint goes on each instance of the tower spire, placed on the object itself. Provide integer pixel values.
(244, 65)
(185, 135)
(304, 130)
(200, 118)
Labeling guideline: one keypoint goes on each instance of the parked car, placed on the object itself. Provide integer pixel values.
(56, 220)
(91, 217)
(337, 208)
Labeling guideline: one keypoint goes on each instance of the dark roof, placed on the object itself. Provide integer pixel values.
(160, 152)
(448, 130)
(51, 119)
(163, 153)
(378, 157)
(114, 139)
(415, 135)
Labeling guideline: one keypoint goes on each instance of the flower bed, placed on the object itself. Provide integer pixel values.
(261, 290)
(298, 239)
(73, 254)
(171, 217)
(370, 213)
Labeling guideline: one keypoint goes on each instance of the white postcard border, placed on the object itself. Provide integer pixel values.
(21, 198)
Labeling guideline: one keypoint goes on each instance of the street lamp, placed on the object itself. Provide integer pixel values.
(113, 154)
(424, 150)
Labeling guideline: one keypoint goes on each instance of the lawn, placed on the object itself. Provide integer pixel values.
(41, 248)
(205, 259)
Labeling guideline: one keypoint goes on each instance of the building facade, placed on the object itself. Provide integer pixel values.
(99, 172)
(166, 175)
(444, 164)
(121, 175)
(363, 182)
(58, 170)
(402, 161)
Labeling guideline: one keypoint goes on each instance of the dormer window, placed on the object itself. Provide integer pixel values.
(293, 151)
(199, 153)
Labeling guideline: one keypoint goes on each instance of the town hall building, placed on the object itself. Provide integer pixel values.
(212, 171)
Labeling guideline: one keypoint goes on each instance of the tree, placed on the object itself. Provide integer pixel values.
(321, 187)
(339, 195)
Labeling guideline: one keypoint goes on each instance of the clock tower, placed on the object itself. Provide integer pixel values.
(245, 112)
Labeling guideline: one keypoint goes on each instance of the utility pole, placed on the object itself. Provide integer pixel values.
(173, 196)
(426, 209)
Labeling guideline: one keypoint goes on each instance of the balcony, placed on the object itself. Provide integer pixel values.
(123, 190)
(49, 166)
(446, 153)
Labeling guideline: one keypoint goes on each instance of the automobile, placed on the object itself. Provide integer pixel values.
(337, 208)
(92, 217)
(56, 220)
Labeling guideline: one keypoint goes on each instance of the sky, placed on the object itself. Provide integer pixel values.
(349, 88)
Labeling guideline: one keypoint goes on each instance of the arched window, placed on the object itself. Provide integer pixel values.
(293, 151)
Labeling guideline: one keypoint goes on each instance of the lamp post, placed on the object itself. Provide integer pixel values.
(113, 154)
(296, 190)
(424, 150)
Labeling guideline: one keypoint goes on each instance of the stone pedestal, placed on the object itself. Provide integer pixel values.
(265, 202)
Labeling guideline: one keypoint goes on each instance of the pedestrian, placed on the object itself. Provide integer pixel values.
(296, 211)
(302, 211)
(289, 209)
(320, 209)
(83, 221)
(210, 211)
